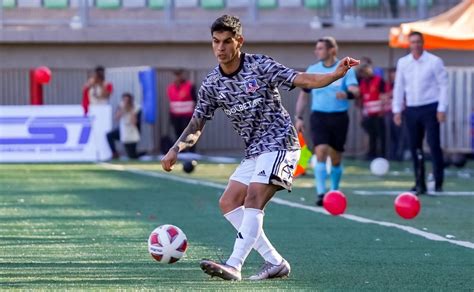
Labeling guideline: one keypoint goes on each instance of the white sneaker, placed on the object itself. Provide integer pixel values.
(271, 271)
(222, 271)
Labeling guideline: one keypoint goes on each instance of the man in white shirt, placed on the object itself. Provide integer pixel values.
(422, 79)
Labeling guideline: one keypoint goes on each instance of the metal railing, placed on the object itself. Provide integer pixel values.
(66, 88)
(83, 13)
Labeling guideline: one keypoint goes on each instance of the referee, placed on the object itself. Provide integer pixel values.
(422, 79)
(329, 118)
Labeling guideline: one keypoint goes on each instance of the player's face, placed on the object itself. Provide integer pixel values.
(416, 44)
(226, 46)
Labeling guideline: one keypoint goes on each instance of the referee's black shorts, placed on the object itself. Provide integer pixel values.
(330, 129)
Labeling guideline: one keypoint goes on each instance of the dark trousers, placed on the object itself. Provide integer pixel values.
(397, 139)
(179, 124)
(130, 148)
(421, 119)
(113, 136)
(375, 128)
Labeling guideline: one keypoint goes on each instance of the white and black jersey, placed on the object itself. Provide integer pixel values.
(250, 99)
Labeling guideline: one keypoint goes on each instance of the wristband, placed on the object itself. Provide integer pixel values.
(350, 95)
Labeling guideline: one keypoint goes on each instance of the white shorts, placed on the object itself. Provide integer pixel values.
(275, 168)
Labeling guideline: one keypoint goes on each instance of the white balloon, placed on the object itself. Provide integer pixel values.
(379, 166)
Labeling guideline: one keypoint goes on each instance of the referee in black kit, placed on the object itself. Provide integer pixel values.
(422, 79)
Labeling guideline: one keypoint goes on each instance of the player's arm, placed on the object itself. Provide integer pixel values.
(188, 138)
(313, 80)
(301, 103)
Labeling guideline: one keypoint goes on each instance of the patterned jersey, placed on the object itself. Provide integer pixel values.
(250, 99)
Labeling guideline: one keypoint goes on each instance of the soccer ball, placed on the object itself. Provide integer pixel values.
(379, 166)
(167, 244)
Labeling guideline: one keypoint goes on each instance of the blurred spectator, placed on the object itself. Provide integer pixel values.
(372, 88)
(397, 139)
(182, 99)
(378, 71)
(393, 8)
(422, 79)
(96, 90)
(127, 132)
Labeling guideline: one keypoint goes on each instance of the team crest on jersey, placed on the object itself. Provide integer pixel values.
(251, 86)
(253, 66)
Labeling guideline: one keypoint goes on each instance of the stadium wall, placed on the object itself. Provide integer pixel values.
(71, 54)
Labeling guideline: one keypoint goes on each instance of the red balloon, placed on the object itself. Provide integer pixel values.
(335, 202)
(407, 205)
(42, 75)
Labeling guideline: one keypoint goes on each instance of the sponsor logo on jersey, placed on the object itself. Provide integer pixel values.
(243, 106)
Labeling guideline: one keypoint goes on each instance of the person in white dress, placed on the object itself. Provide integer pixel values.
(127, 132)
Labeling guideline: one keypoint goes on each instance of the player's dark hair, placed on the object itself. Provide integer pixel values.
(417, 33)
(330, 42)
(227, 23)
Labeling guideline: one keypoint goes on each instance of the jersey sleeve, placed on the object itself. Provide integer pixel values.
(205, 105)
(350, 79)
(279, 75)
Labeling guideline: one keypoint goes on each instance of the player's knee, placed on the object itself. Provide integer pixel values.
(228, 203)
(254, 199)
(336, 161)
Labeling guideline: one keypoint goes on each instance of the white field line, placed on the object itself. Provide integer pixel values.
(394, 193)
(409, 229)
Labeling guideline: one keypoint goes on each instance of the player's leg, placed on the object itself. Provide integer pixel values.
(320, 137)
(336, 168)
(320, 171)
(231, 204)
(258, 195)
(337, 141)
(273, 171)
(250, 230)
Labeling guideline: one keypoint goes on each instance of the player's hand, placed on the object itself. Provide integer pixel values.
(169, 159)
(441, 116)
(299, 125)
(341, 95)
(345, 65)
(397, 119)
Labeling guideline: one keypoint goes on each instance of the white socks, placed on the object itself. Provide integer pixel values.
(262, 244)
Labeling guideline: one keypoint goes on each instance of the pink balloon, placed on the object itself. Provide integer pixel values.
(407, 205)
(335, 202)
(42, 75)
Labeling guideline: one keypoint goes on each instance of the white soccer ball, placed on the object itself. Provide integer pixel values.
(167, 244)
(379, 166)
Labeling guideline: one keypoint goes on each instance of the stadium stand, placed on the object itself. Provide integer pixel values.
(213, 4)
(9, 4)
(56, 4)
(156, 4)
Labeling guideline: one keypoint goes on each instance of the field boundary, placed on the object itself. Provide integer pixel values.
(409, 229)
(395, 193)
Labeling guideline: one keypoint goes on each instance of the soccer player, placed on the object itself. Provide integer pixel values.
(329, 119)
(245, 86)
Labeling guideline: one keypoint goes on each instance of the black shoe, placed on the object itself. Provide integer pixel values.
(319, 201)
(439, 189)
(418, 190)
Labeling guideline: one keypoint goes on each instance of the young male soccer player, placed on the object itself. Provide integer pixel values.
(245, 86)
(329, 118)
